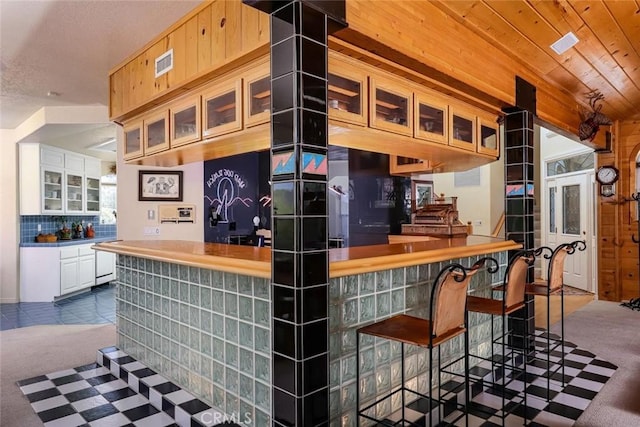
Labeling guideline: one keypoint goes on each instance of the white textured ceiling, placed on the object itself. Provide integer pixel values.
(69, 47)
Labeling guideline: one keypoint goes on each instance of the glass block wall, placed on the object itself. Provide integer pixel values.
(208, 331)
(365, 298)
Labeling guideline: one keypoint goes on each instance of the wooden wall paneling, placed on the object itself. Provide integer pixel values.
(218, 31)
(116, 90)
(626, 15)
(177, 40)
(607, 286)
(191, 50)
(233, 28)
(204, 39)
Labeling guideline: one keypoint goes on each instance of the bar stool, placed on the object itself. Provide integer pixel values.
(553, 286)
(513, 292)
(448, 320)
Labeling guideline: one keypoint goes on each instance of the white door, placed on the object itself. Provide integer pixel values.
(569, 218)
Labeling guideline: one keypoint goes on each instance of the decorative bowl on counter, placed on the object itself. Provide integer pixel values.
(46, 238)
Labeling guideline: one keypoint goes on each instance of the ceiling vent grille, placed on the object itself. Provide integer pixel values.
(565, 43)
(164, 63)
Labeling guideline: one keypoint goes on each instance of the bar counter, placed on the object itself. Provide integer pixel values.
(255, 261)
(201, 314)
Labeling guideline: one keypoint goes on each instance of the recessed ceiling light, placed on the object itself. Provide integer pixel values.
(564, 43)
(53, 94)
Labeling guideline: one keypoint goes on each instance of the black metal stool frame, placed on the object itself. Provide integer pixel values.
(547, 291)
(460, 274)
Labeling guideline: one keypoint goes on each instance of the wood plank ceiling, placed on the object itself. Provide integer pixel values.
(606, 58)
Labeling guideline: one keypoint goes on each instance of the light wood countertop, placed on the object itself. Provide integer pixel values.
(255, 261)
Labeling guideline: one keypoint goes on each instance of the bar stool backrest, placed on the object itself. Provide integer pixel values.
(449, 298)
(516, 280)
(556, 267)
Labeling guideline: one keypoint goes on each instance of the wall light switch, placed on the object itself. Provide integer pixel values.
(151, 214)
(39, 228)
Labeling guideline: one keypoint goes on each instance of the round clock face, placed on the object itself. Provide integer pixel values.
(607, 175)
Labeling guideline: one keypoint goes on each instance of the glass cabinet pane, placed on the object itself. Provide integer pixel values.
(184, 123)
(344, 94)
(74, 193)
(93, 194)
(391, 108)
(221, 110)
(260, 96)
(462, 129)
(52, 190)
(431, 119)
(488, 137)
(156, 135)
(133, 141)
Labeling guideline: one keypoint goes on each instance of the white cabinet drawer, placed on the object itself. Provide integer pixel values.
(85, 250)
(69, 252)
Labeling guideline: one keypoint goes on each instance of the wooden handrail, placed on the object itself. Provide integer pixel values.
(499, 226)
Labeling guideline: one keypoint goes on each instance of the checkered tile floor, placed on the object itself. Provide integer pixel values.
(585, 374)
(115, 391)
(119, 391)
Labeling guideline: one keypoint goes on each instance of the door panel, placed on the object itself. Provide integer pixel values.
(568, 220)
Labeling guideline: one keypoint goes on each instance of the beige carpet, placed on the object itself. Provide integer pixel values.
(38, 350)
(611, 332)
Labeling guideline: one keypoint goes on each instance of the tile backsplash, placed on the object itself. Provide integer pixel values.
(48, 224)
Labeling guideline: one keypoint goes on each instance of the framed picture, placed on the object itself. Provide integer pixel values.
(421, 194)
(160, 186)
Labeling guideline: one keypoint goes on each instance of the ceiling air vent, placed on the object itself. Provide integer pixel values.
(164, 63)
(564, 43)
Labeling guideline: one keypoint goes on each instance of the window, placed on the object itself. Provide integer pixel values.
(108, 199)
(572, 164)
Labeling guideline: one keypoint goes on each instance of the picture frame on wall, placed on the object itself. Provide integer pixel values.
(160, 186)
(421, 194)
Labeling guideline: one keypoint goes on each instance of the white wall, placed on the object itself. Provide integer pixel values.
(9, 238)
(133, 214)
(483, 203)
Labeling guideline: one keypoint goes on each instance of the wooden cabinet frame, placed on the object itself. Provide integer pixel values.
(214, 91)
(150, 120)
(178, 107)
(341, 66)
(395, 168)
(396, 88)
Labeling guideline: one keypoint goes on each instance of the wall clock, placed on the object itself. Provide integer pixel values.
(607, 175)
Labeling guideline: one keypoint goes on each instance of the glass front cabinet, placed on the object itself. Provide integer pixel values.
(390, 106)
(462, 129)
(222, 105)
(74, 193)
(185, 121)
(346, 91)
(488, 135)
(52, 190)
(92, 195)
(257, 88)
(431, 119)
(156, 132)
(133, 141)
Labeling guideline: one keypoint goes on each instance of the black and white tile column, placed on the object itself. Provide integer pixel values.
(300, 266)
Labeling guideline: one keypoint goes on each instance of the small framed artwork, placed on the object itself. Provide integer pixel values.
(421, 194)
(160, 186)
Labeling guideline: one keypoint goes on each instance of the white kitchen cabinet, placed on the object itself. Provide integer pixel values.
(47, 273)
(54, 181)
